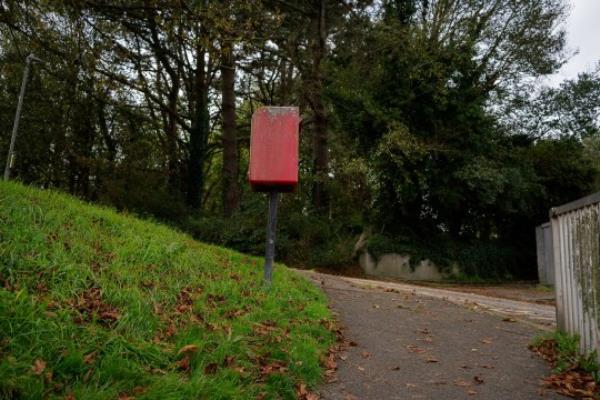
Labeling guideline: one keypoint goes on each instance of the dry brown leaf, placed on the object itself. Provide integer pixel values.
(38, 367)
(90, 358)
(211, 368)
(190, 348)
(184, 363)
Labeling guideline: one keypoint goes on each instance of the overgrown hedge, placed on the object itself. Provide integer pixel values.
(486, 260)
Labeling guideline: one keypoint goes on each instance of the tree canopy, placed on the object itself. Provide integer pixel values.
(421, 119)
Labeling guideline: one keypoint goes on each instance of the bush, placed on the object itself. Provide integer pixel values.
(302, 240)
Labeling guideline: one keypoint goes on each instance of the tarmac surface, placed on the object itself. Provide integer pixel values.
(411, 342)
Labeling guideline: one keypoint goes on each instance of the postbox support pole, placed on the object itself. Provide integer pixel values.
(13, 137)
(271, 229)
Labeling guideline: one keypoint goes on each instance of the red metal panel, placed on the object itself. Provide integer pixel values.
(274, 149)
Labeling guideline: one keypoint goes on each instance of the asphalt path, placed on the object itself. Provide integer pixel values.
(412, 342)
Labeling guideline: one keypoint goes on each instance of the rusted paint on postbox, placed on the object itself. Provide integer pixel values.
(274, 149)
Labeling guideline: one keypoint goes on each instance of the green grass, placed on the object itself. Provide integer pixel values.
(562, 351)
(97, 305)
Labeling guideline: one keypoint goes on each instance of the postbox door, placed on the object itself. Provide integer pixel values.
(274, 149)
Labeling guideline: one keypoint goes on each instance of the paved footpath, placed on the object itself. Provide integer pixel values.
(423, 343)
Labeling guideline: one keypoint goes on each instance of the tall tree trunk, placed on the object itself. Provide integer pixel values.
(171, 140)
(231, 197)
(198, 135)
(321, 122)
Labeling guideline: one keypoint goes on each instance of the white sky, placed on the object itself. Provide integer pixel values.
(583, 35)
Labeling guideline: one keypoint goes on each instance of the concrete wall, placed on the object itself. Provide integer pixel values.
(398, 266)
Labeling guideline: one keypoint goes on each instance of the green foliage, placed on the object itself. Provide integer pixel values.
(476, 260)
(302, 240)
(100, 305)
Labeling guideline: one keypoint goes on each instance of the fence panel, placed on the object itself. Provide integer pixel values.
(575, 230)
(545, 254)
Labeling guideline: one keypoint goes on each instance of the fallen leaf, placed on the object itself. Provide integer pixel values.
(138, 390)
(190, 348)
(462, 383)
(508, 319)
(330, 362)
(478, 380)
(360, 368)
(184, 363)
(471, 392)
(343, 358)
(486, 341)
(432, 360)
(211, 369)
(366, 354)
(229, 361)
(415, 349)
(38, 367)
(90, 358)
(395, 368)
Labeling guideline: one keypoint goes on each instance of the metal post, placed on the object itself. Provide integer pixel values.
(10, 158)
(271, 228)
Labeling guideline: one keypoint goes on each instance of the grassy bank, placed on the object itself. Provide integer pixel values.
(98, 305)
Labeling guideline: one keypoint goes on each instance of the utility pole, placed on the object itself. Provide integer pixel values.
(11, 150)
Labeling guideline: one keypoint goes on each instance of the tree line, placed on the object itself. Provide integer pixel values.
(423, 121)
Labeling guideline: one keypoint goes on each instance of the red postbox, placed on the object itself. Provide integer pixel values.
(274, 149)
(273, 164)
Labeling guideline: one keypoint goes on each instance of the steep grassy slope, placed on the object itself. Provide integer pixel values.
(98, 305)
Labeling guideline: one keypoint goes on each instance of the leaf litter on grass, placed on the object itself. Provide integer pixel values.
(112, 303)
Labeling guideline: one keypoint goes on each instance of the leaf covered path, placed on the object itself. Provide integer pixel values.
(408, 346)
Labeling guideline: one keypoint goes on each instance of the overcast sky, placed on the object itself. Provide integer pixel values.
(583, 34)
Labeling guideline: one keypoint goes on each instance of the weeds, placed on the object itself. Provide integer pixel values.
(574, 374)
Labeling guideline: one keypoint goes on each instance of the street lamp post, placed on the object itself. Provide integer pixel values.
(10, 158)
